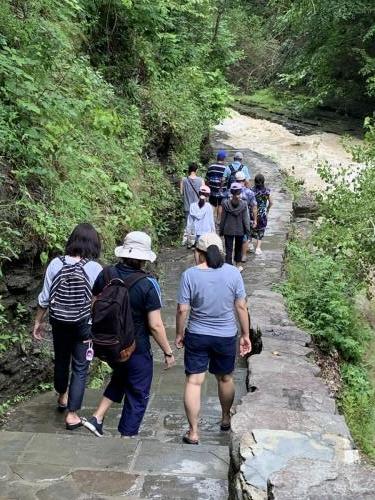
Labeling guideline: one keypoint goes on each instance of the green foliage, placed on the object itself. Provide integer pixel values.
(86, 89)
(347, 229)
(15, 331)
(319, 297)
(357, 400)
(99, 373)
(321, 49)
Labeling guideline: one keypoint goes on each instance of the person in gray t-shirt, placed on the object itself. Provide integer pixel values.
(213, 292)
(189, 188)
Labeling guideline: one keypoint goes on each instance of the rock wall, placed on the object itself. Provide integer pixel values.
(288, 441)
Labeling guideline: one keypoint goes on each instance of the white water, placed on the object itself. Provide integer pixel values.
(297, 155)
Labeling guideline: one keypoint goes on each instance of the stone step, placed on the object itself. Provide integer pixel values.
(47, 466)
(264, 452)
(314, 479)
(288, 398)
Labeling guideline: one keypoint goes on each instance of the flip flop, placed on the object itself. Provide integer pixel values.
(61, 408)
(225, 427)
(71, 427)
(187, 440)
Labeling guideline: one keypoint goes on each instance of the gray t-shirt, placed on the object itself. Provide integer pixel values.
(211, 294)
(190, 190)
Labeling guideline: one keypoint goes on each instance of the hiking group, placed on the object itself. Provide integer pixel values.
(225, 199)
(112, 312)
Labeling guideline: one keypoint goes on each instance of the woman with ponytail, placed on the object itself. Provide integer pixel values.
(201, 216)
(211, 293)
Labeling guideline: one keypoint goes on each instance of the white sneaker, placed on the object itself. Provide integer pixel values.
(251, 247)
(258, 251)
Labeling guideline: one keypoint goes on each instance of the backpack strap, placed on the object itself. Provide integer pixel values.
(231, 168)
(240, 168)
(192, 185)
(134, 278)
(109, 273)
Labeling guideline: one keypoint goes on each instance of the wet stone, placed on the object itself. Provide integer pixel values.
(104, 482)
(40, 472)
(184, 488)
(12, 444)
(63, 490)
(273, 450)
(184, 459)
(80, 451)
(5, 471)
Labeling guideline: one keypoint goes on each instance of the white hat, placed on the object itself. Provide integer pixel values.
(240, 176)
(207, 240)
(137, 245)
(238, 155)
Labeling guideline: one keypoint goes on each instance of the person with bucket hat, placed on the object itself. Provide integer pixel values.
(131, 380)
(237, 165)
(213, 292)
(234, 224)
(201, 216)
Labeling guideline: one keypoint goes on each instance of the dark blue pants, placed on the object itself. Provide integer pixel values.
(70, 350)
(131, 379)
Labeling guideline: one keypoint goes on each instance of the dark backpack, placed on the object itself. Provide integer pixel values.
(70, 296)
(232, 177)
(112, 322)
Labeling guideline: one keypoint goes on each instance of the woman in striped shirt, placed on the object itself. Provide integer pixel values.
(67, 295)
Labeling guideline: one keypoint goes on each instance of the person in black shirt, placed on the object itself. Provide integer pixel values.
(131, 380)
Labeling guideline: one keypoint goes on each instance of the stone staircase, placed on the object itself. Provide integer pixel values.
(39, 459)
(287, 443)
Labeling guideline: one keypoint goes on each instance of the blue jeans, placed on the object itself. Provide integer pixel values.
(70, 351)
(131, 379)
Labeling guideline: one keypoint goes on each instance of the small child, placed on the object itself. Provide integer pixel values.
(234, 224)
(201, 216)
(264, 202)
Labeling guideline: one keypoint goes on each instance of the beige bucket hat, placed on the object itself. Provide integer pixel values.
(137, 245)
(207, 240)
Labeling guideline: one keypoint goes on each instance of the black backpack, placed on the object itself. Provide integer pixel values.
(232, 177)
(71, 295)
(112, 322)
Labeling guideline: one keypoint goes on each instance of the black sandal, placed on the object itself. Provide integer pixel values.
(225, 427)
(61, 408)
(187, 440)
(72, 427)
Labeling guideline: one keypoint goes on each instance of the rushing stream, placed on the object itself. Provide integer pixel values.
(298, 155)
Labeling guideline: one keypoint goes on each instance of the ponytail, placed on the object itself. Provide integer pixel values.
(214, 257)
(202, 201)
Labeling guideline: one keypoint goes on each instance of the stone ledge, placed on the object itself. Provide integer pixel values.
(318, 480)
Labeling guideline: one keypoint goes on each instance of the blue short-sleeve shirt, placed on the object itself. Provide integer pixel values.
(211, 294)
(145, 296)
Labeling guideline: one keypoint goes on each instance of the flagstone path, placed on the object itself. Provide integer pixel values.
(39, 460)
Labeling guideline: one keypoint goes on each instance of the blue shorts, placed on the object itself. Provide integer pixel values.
(218, 354)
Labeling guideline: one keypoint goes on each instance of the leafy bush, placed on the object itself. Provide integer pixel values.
(100, 102)
(319, 297)
(357, 400)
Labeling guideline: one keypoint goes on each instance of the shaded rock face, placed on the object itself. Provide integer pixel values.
(22, 371)
(305, 206)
